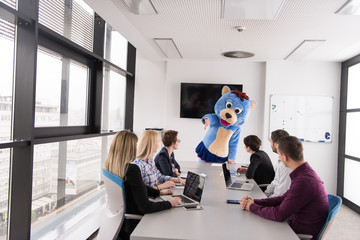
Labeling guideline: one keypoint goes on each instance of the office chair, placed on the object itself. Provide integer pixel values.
(115, 207)
(334, 206)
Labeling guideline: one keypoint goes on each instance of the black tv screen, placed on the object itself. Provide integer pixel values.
(198, 99)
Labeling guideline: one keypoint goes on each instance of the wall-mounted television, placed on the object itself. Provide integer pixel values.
(198, 99)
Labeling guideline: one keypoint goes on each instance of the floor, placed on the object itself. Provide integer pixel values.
(346, 225)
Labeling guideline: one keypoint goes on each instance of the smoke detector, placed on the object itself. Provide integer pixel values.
(237, 54)
(240, 28)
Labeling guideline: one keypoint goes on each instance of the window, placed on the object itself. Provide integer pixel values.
(114, 93)
(63, 174)
(352, 134)
(61, 91)
(74, 20)
(352, 181)
(52, 147)
(349, 153)
(10, 3)
(4, 191)
(7, 36)
(353, 96)
(115, 47)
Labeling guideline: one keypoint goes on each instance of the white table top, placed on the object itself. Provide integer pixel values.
(217, 219)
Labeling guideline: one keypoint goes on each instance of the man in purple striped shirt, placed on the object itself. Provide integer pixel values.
(305, 204)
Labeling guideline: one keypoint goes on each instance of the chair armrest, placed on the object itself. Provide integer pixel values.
(133, 216)
(304, 236)
(264, 185)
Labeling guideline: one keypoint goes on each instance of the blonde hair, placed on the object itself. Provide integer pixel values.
(122, 152)
(146, 144)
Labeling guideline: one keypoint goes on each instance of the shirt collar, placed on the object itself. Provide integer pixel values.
(298, 171)
(148, 160)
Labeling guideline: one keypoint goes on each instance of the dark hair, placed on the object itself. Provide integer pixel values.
(253, 142)
(169, 137)
(292, 147)
(275, 135)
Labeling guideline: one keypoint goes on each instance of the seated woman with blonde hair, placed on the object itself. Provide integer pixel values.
(149, 143)
(122, 152)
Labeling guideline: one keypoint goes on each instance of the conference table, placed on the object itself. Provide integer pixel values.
(217, 219)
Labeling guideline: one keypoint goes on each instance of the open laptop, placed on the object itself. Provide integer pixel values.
(193, 190)
(237, 185)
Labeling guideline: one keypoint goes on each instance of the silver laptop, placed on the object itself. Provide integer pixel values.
(237, 185)
(193, 190)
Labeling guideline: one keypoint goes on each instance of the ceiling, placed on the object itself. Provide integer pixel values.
(199, 31)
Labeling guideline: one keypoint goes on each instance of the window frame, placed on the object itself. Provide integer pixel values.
(30, 34)
(342, 131)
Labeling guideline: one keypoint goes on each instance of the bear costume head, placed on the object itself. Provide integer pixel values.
(233, 107)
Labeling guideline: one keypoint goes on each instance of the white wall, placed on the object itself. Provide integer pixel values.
(191, 131)
(157, 101)
(308, 79)
(149, 91)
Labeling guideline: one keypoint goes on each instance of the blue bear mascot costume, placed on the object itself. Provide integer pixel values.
(221, 140)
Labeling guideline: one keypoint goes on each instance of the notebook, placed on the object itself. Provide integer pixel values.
(193, 190)
(237, 185)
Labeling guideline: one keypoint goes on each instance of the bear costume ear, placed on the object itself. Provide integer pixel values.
(225, 89)
(253, 105)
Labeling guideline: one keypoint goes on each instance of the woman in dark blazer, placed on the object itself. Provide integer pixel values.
(260, 168)
(165, 159)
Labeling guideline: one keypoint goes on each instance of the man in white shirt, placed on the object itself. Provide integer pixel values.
(282, 181)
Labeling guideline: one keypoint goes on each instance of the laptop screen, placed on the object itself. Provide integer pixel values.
(194, 186)
(226, 174)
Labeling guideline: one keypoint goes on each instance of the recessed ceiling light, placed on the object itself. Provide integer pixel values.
(237, 54)
(168, 46)
(351, 7)
(250, 9)
(141, 7)
(303, 49)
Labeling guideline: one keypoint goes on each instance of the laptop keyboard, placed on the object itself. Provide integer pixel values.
(236, 185)
(185, 200)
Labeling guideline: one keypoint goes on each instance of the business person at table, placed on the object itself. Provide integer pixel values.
(165, 159)
(305, 205)
(260, 168)
(148, 145)
(282, 181)
(122, 152)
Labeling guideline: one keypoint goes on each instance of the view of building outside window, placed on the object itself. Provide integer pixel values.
(7, 36)
(114, 100)
(63, 173)
(61, 91)
(4, 191)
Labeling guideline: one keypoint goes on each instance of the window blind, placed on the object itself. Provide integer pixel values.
(70, 19)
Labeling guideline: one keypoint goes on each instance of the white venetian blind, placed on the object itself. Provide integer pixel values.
(7, 30)
(10, 3)
(72, 19)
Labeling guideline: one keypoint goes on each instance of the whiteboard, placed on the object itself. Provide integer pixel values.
(307, 117)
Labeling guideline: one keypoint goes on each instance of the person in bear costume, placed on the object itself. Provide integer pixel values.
(220, 142)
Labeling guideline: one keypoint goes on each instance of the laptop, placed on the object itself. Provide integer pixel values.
(237, 185)
(193, 189)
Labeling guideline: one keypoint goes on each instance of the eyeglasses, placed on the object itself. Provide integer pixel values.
(178, 140)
